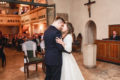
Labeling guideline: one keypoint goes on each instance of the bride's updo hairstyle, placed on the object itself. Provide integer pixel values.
(70, 27)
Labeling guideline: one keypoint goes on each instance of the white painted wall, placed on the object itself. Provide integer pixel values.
(104, 13)
(62, 6)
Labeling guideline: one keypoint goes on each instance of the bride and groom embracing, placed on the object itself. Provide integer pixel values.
(60, 63)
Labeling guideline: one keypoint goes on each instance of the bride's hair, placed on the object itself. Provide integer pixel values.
(70, 27)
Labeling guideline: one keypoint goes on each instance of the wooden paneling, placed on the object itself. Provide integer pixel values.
(108, 51)
(10, 20)
(35, 15)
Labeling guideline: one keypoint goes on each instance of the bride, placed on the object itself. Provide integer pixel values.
(70, 69)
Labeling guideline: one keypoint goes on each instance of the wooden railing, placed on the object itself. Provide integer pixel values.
(34, 15)
(35, 1)
(10, 20)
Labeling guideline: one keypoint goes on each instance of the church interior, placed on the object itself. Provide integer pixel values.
(96, 44)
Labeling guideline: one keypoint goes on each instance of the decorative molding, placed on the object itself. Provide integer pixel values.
(11, 20)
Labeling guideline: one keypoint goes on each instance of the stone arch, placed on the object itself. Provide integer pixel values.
(90, 32)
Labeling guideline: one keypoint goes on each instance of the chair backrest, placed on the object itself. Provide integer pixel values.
(79, 37)
(29, 48)
(30, 54)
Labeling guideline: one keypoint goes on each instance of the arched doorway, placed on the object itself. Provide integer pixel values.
(90, 32)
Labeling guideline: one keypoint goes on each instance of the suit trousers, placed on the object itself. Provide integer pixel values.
(53, 72)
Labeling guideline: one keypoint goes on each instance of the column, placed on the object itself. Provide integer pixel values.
(31, 29)
(20, 29)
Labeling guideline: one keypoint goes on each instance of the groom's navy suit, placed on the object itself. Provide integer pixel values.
(53, 54)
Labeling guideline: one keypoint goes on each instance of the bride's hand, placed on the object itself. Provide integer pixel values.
(59, 40)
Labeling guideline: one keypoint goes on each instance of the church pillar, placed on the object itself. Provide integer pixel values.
(31, 29)
(20, 29)
(90, 48)
(20, 10)
(89, 55)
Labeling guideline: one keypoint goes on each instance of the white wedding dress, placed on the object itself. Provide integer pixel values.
(70, 68)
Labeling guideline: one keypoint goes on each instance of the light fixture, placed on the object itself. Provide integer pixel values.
(41, 26)
(2, 3)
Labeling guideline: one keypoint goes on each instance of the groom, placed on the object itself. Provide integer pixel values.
(53, 50)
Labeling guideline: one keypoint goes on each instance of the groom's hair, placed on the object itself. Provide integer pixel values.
(59, 18)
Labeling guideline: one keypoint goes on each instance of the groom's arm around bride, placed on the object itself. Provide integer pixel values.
(53, 50)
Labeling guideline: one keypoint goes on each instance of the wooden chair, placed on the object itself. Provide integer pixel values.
(77, 43)
(43, 62)
(30, 57)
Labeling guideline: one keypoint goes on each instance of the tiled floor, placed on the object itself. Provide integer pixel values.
(12, 71)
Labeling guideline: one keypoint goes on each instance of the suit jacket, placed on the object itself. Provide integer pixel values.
(53, 50)
(116, 38)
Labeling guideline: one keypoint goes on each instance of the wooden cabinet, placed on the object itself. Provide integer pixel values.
(108, 51)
